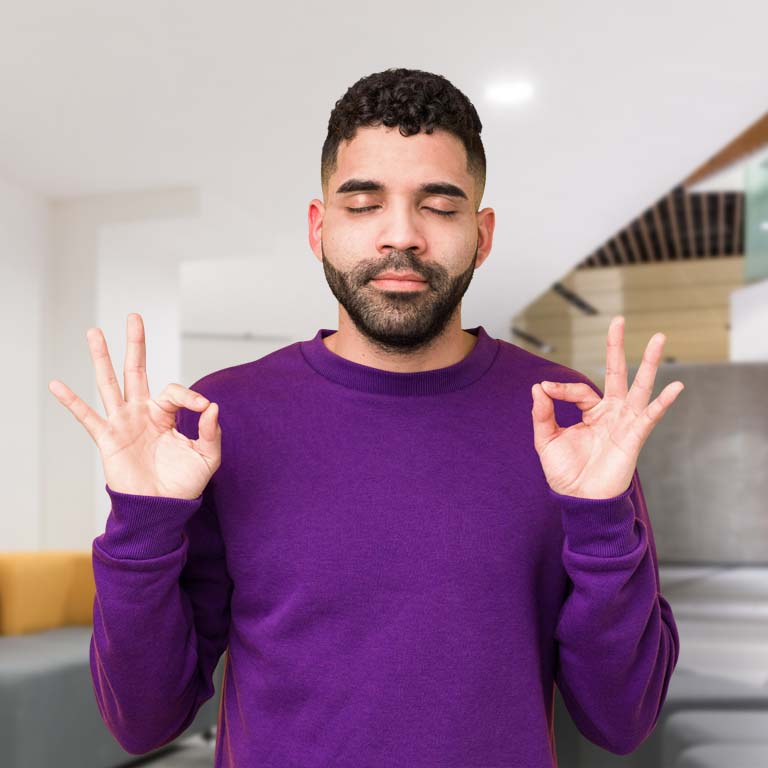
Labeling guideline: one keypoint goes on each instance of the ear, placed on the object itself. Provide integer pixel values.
(486, 221)
(315, 217)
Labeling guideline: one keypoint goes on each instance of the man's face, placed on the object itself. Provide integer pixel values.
(402, 229)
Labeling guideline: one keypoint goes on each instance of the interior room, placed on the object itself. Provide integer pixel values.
(160, 159)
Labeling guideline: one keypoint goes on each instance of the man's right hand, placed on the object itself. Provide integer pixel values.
(141, 450)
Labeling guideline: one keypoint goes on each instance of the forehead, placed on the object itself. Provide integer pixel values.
(382, 152)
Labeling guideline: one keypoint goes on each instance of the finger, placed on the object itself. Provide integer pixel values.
(135, 372)
(642, 387)
(176, 396)
(209, 433)
(574, 392)
(615, 360)
(109, 389)
(545, 427)
(643, 426)
(83, 412)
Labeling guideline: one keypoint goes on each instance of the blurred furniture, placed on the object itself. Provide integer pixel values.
(703, 468)
(48, 711)
(700, 738)
(716, 710)
(694, 701)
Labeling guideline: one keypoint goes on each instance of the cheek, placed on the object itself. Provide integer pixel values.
(344, 243)
(457, 247)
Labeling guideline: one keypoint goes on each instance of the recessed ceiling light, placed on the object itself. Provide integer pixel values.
(513, 92)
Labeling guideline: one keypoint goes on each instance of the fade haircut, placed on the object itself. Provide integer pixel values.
(411, 99)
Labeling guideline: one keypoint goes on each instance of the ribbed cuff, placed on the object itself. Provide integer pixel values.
(599, 527)
(142, 527)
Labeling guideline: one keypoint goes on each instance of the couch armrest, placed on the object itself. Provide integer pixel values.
(41, 590)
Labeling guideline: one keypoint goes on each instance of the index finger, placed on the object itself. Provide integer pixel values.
(615, 360)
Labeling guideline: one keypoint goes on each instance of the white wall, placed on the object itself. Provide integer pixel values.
(23, 260)
(201, 273)
(86, 244)
(749, 322)
(276, 297)
(138, 271)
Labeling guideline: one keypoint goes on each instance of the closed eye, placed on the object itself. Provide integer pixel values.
(371, 207)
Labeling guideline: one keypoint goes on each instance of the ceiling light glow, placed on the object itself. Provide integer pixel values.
(514, 92)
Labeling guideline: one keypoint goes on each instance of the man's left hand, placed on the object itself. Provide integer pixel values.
(596, 458)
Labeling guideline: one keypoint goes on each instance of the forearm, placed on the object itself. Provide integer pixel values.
(618, 643)
(151, 671)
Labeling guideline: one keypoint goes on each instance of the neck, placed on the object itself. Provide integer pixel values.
(450, 347)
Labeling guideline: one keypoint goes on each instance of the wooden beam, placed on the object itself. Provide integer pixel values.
(621, 250)
(673, 224)
(660, 232)
(633, 244)
(747, 142)
(721, 224)
(690, 231)
(646, 237)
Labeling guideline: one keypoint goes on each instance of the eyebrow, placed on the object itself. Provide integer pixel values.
(432, 188)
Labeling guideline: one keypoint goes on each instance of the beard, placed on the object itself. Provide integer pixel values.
(398, 321)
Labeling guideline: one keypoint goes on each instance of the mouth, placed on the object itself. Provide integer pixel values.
(399, 281)
(399, 284)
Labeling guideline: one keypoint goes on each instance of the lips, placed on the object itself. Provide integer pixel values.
(407, 276)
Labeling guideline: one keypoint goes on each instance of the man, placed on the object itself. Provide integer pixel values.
(401, 533)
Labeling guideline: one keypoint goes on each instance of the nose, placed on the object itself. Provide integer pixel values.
(400, 229)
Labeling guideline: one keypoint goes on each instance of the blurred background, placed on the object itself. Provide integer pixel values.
(159, 157)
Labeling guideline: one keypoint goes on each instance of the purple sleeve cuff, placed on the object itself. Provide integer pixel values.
(599, 527)
(142, 527)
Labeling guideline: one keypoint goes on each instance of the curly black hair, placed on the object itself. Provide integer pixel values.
(411, 99)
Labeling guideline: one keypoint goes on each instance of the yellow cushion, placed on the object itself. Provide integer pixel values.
(42, 590)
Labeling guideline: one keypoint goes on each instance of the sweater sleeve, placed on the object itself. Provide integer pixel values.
(161, 612)
(617, 639)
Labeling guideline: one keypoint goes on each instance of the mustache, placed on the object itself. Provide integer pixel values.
(398, 261)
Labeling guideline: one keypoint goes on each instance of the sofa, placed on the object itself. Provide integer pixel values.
(716, 709)
(48, 711)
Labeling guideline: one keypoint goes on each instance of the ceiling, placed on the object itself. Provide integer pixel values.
(701, 218)
(679, 226)
(234, 99)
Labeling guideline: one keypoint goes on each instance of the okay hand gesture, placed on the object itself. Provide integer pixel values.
(141, 450)
(596, 458)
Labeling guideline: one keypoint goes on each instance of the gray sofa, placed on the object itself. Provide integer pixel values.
(703, 718)
(48, 712)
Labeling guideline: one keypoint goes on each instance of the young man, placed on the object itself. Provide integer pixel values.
(401, 533)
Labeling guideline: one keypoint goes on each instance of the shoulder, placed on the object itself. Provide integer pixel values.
(532, 368)
(245, 387)
(237, 379)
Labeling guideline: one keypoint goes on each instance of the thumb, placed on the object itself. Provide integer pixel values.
(209, 431)
(545, 427)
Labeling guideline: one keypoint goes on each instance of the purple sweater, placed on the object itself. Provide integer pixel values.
(392, 578)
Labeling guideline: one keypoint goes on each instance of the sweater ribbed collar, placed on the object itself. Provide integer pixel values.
(375, 380)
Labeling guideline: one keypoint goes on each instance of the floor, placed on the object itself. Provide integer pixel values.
(193, 752)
